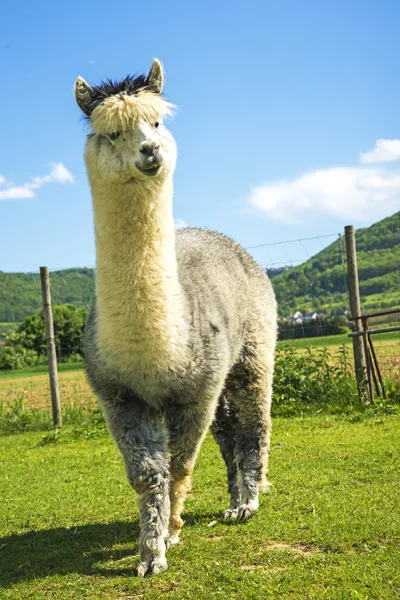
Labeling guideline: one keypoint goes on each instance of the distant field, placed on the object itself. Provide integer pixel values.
(40, 370)
(338, 340)
(32, 386)
(33, 389)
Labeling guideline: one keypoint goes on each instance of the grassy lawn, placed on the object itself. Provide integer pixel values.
(329, 529)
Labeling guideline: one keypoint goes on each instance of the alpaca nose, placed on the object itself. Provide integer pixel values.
(149, 148)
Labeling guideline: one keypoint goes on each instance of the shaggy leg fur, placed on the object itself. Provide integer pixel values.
(249, 389)
(223, 429)
(187, 427)
(180, 486)
(142, 440)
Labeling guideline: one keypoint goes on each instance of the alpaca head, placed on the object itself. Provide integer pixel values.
(128, 141)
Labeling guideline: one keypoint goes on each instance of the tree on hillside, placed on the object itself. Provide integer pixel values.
(26, 347)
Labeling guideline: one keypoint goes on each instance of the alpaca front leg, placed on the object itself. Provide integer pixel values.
(142, 440)
(153, 502)
(187, 427)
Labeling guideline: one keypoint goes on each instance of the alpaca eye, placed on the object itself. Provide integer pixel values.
(113, 136)
(156, 124)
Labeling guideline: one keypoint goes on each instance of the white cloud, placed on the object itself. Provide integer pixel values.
(341, 192)
(58, 174)
(14, 193)
(346, 193)
(384, 151)
(180, 224)
(37, 182)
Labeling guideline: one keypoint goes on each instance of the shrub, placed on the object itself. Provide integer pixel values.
(18, 357)
(27, 346)
(305, 382)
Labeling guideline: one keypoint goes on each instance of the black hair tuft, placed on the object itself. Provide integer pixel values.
(130, 85)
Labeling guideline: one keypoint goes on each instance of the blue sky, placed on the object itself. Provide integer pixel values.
(281, 105)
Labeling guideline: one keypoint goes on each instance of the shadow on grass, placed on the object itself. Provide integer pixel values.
(60, 551)
(83, 550)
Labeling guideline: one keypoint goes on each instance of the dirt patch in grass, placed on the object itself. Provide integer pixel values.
(295, 549)
(262, 568)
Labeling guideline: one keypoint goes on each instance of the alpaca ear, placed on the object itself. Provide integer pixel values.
(83, 95)
(155, 78)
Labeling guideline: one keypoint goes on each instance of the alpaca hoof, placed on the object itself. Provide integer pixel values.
(245, 512)
(242, 513)
(172, 540)
(231, 513)
(157, 566)
(264, 486)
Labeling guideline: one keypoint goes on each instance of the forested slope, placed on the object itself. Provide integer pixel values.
(20, 293)
(318, 284)
(321, 282)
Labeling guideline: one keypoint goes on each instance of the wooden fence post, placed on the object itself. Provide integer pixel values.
(355, 306)
(51, 347)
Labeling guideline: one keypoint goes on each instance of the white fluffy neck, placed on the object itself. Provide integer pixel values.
(141, 325)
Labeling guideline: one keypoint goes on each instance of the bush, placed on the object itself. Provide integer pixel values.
(305, 382)
(27, 346)
(18, 357)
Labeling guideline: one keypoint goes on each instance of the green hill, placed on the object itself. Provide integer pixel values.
(21, 296)
(318, 284)
(321, 283)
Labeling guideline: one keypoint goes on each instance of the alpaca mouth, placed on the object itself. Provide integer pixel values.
(150, 171)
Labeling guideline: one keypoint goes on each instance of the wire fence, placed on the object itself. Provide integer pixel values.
(309, 304)
(312, 300)
(387, 345)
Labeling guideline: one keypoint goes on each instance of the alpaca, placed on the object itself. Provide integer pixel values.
(182, 333)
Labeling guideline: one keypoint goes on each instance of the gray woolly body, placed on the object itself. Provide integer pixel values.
(229, 303)
(159, 420)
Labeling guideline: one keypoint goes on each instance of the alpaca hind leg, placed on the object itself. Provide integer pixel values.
(223, 430)
(142, 441)
(187, 426)
(249, 391)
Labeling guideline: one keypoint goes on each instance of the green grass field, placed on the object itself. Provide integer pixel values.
(330, 528)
